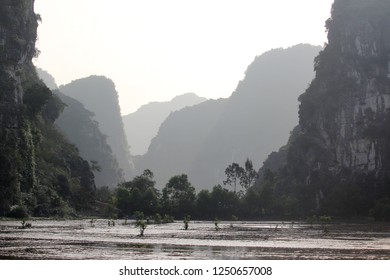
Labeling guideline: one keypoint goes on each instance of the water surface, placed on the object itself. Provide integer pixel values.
(77, 239)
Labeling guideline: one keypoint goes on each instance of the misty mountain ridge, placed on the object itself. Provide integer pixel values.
(254, 121)
(86, 135)
(142, 125)
(98, 95)
(89, 140)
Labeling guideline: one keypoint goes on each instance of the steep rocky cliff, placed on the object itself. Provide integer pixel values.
(18, 24)
(351, 92)
(17, 46)
(342, 153)
(40, 172)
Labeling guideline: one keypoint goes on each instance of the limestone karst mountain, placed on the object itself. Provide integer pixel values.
(80, 127)
(98, 95)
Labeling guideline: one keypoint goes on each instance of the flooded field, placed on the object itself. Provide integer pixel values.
(77, 239)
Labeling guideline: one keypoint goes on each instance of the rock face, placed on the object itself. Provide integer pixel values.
(18, 24)
(142, 125)
(202, 140)
(346, 107)
(98, 95)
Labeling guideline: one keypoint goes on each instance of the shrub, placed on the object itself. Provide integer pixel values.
(167, 219)
(216, 222)
(186, 221)
(18, 212)
(324, 219)
(25, 224)
(140, 222)
(157, 219)
(381, 210)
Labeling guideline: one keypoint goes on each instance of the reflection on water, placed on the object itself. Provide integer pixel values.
(76, 239)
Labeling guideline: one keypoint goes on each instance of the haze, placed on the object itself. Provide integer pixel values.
(155, 50)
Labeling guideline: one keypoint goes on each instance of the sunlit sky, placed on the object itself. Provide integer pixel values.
(154, 50)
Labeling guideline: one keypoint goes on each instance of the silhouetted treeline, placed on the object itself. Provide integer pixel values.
(238, 198)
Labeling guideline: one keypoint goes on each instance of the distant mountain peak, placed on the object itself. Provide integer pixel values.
(189, 95)
(142, 125)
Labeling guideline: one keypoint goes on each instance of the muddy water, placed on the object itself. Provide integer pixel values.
(77, 239)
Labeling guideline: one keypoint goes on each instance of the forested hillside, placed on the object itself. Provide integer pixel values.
(41, 173)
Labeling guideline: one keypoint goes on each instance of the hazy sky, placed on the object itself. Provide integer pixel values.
(154, 50)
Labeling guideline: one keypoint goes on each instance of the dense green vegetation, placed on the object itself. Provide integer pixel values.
(41, 173)
(264, 200)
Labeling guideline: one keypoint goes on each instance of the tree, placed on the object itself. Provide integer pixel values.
(252, 205)
(104, 194)
(248, 175)
(178, 198)
(204, 205)
(233, 174)
(225, 203)
(139, 195)
(123, 201)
